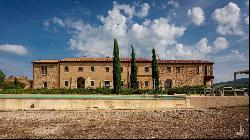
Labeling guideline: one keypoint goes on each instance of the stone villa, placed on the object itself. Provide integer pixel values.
(97, 72)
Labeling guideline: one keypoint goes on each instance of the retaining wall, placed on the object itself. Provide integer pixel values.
(218, 101)
(82, 104)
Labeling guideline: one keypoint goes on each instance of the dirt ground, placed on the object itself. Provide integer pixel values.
(121, 124)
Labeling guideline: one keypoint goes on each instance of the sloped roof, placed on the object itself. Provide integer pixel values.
(45, 61)
(92, 59)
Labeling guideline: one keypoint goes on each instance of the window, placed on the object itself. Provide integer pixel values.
(121, 69)
(92, 68)
(107, 69)
(198, 70)
(45, 84)
(44, 70)
(121, 83)
(92, 83)
(146, 83)
(66, 83)
(138, 83)
(146, 69)
(80, 69)
(168, 69)
(178, 69)
(205, 69)
(66, 69)
(208, 70)
(106, 83)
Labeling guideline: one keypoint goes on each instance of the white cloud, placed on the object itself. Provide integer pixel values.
(182, 51)
(46, 23)
(229, 19)
(174, 3)
(233, 56)
(17, 49)
(58, 21)
(221, 43)
(98, 40)
(247, 20)
(197, 15)
(202, 49)
(144, 10)
(203, 46)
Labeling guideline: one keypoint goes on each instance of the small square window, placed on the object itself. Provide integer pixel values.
(146, 83)
(66, 69)
(107, 84)
(92, 83)
(45, 84)
(80, 69)
(168, 69)
(178, 69)
(107, 69)
(146, 69)
(92, 68)
(121, 69)
(66, 83)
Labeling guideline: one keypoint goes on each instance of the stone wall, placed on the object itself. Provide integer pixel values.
(52, 77)
(187, 77)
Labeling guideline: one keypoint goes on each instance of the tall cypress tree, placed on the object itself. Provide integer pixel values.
(116, 68)
(133, 76)
(155, 71)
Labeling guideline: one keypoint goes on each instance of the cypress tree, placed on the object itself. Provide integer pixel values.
(116, 68)
(155, 71)
(133, 76)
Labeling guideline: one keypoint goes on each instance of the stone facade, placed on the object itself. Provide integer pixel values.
(97, 72)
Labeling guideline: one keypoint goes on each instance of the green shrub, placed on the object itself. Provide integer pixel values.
(101, 90)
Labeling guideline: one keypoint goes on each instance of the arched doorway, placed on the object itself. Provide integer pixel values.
(168, 83)
(80, 82)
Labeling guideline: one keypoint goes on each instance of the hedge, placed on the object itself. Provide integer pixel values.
(101, 90)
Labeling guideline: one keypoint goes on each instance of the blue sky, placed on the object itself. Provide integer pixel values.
(209, 30)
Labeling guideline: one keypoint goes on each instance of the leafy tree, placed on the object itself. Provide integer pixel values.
(2, 77)
(155, 71)
(116, 68)
(133, 76)
(14, 84)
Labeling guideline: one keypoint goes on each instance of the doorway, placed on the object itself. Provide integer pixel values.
(80, 82)
(168, 83)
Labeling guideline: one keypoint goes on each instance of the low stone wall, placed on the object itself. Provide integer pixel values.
(218, 101)
(82, 104)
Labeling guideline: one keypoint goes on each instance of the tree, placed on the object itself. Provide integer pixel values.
(116, 68)
(133, 76)
(16, 84)
(155, 71)
(2, 77)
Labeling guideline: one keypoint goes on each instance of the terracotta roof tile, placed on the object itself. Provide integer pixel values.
(91, 59)
(45, 61)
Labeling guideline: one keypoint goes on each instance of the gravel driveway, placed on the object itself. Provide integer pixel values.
(209, 123)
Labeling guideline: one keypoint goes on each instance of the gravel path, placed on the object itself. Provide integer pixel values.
(210, 123)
